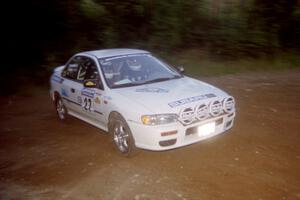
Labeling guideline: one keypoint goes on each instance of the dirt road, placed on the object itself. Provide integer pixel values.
(42, 158)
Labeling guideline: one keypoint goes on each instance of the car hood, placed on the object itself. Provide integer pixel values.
(170, 96)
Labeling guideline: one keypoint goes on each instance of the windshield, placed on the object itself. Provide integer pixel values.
(131, 70)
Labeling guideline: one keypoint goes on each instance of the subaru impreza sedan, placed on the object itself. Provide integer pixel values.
(140, 100)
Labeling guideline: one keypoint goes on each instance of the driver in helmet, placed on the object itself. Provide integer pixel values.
(135, 72)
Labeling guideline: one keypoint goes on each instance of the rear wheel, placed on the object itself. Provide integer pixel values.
(122, 136)
(61, 110)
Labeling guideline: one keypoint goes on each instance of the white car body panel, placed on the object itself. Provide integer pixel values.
(166, 97)
(167, 91)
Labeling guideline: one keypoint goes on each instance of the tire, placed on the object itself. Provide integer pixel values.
(122, 136)
(61, 109)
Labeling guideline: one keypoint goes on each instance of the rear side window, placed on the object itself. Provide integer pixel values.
(71, 70)
(82, 68)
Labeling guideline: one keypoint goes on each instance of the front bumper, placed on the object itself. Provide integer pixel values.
(151, 137)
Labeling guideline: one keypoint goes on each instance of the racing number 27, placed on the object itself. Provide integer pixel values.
(87, 104)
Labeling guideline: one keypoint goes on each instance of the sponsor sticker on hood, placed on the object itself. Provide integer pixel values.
(152, 90)
(190, 100)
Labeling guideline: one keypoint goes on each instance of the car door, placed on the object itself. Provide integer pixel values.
(92, 97)
(85, 102)
(71, 87)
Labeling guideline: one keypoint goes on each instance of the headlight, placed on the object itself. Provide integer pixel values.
(215, 108)
(229, 104)
(159, 119)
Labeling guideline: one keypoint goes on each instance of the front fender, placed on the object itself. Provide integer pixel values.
(129, 109)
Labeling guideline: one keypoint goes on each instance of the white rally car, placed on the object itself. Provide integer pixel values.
(140, 100)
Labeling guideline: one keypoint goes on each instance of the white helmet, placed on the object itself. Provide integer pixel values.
(134, 65)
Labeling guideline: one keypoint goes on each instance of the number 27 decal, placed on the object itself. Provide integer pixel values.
(87, 104)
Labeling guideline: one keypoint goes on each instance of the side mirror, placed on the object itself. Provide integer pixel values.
(180, 69)
(91, 83)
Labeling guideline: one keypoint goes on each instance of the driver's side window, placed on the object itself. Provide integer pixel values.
(91, 71)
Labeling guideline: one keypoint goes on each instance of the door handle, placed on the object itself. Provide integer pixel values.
(72, 90)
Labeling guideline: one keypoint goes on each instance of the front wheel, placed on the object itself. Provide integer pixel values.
(121, 136)
(61, 110)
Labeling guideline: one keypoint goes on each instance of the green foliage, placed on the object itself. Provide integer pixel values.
(91, 9)
(226, 29)
(198, 64)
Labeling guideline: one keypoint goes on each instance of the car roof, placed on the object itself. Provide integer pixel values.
(114, 52)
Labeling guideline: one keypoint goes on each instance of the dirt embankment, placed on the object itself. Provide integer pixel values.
(42, 158)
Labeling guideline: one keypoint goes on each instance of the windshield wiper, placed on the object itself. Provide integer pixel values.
(126, 85)
(146, 82)
(161, 79)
